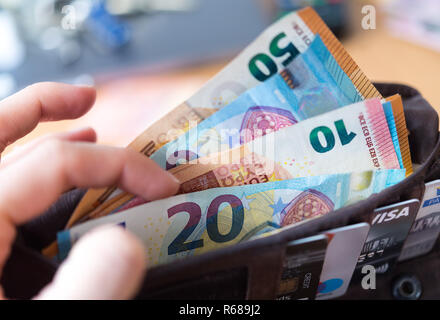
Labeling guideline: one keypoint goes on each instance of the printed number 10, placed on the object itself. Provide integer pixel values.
(329, 137)
(212, 228)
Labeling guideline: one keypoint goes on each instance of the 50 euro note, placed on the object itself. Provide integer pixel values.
(195, 223)
(312, 84)
(274, 49)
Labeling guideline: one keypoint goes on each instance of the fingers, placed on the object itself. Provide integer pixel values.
(30, 185)
(83, 134)
(107, 263)
(45, 101)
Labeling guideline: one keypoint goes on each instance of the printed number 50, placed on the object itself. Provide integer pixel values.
(262, 59)
(195, 214)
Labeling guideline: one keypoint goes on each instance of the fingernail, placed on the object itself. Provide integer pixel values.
(84, 134)
(77, 130)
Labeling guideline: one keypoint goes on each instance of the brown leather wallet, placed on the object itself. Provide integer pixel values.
(251, 270)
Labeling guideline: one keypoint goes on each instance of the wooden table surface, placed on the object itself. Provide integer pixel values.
(127, 105)
(384, 57)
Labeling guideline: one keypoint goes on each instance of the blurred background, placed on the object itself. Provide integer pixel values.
(147, 56)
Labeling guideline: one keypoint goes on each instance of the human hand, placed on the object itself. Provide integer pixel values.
(108, 263)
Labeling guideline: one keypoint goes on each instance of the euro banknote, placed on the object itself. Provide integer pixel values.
(352, 138)
(275, 48)
(195, 223)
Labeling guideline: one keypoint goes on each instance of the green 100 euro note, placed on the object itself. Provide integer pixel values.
(191, 224)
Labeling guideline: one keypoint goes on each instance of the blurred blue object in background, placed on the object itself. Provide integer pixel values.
(106, 28)
(63, 40)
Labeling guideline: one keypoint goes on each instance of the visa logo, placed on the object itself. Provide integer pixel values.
(390, 215)
(431, 202)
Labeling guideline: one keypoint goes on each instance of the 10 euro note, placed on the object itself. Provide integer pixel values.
(195, 223)
(274, 49)
(349, 139)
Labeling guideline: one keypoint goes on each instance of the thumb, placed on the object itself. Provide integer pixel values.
(107, 263)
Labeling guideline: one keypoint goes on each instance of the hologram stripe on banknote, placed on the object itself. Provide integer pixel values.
(317, 25)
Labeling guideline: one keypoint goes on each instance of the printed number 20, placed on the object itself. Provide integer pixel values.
(262, 59)
(195, 214)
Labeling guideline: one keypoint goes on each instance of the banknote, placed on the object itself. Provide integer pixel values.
(194, 223)
(311, 84)
(343, 250)
(302, 268)
(426, 227)
(389, 228)
(274, 49)
(352, 138)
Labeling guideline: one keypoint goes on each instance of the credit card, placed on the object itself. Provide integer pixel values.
(344, 247)
(426, 227)
(390, 226)
(302, 268)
